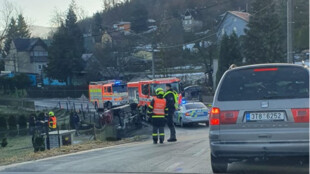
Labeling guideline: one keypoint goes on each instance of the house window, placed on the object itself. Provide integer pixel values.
(40, 67)
(39, 53)
(36, 53)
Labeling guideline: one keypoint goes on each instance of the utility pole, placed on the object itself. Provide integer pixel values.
(153, 64)
(14, 61)
(289, 31)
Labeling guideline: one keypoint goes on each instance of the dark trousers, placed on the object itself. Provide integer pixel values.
(158, 129)
(170, 123)
(77, 127)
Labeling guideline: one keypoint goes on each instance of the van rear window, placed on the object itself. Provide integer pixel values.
(283, 82)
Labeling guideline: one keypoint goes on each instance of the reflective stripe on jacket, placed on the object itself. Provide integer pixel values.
(52, 122)
(159, 106)
(175, 97)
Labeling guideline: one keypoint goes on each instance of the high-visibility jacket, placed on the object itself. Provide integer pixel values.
(159, 106)
(52, 122)
(175, 97)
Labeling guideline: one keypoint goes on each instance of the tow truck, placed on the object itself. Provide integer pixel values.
(142, 92)
(107, 94)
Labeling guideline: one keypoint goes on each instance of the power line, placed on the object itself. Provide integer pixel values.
(179, 45)
(264, 8)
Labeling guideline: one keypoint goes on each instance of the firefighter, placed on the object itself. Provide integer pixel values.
(171, 97)
(52, 121)
(158, 110)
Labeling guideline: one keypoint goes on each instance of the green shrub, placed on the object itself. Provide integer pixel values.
(12, 122)
(12, 125)
(3, 123)
(22, 122)
(4, 142)
(3, 126)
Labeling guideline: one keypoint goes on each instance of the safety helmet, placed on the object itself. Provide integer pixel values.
(51, 113)
(159, 91)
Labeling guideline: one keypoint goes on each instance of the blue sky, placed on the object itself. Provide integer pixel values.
(40, 12)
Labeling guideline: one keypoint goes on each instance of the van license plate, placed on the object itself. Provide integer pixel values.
(257, 116)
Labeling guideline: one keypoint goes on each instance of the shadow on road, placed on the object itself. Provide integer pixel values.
(193, 126)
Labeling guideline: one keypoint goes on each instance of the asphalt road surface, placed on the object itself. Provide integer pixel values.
(189, 155)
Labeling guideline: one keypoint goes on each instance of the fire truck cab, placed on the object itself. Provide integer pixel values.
(142, 92)
(107, 94)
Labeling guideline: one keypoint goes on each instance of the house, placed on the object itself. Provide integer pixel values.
(190, 21)
(89, 42)
(27, 56)
(106, 39)
(123, 27)
(233, 21)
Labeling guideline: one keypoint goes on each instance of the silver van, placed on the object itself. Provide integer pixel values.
(260, 111)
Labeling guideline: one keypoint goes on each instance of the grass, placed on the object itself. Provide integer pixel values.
(14, 153)
(17, 147)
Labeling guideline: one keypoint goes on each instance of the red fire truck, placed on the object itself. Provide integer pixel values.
(106, 94)
(142, 92)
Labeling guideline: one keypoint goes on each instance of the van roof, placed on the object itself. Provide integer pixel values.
(263, 65)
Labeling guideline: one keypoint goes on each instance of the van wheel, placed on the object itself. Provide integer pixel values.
(219, 165)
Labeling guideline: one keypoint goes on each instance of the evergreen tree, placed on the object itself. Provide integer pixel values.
(16, 29)
(11, 34)
(66, 50)
(301, 25)
(139, 18)
(229, 54)
(22, 27)
(96, 28)
(264, 38)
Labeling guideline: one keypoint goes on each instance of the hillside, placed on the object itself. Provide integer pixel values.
(40, 31)
(160, 10)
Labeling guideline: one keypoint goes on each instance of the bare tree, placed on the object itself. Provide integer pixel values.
(7, 12)
(58, 17)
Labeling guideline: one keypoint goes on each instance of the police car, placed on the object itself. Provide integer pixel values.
(191, 112)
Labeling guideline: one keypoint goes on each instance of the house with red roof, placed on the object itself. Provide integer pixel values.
(233, 21)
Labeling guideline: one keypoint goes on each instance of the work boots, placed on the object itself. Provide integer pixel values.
(172, 140)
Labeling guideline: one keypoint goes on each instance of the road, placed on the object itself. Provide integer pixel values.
(189, 155)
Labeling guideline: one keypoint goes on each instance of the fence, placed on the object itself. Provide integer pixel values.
(58, 92)
(17, 103)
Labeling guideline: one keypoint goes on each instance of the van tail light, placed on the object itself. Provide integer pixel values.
(218, 117)
(214, 116)
(301, 115)
(229, 117)
(187, 114)
(265, 69)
